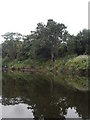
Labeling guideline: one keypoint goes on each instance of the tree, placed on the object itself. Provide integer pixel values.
(49, 36)
(81, 42)
(11, 46)
(56, 33)
(71, 44)
(25, 52)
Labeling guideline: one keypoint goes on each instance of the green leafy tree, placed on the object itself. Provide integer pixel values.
(81, 42)
(49, 37)
(56, 33)
(11, 46)
(71, 44)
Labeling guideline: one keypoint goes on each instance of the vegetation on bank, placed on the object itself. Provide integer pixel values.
(78, 63)
(71, 64)
(49, 47)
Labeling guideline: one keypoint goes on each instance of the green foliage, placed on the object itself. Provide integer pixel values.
(11, 47)
(48, 42)
(71, 44)
(47, 39)
(62, 50)
(78, 63)
(81, 42)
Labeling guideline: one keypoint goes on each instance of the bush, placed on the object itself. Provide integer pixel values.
(78, 63)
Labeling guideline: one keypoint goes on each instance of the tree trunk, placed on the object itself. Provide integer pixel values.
(52, 56)
(51, 87)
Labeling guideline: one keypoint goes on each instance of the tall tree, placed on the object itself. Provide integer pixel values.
(81, 42)
(56, 33)
(51, 36)
(11, 46)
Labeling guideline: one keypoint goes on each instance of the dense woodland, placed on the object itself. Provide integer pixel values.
(48, 42)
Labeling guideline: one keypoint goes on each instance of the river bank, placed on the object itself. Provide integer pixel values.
(70, 64)
(74, 69)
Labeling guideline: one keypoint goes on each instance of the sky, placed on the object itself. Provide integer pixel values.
(22, 16)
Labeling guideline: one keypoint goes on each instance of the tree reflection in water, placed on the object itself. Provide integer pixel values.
(45, 96)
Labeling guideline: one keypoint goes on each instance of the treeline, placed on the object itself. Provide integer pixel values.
(50, 41)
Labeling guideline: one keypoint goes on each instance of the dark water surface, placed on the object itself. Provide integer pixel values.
(35, 95)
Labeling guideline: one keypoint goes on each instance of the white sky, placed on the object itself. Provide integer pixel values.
(23, 15)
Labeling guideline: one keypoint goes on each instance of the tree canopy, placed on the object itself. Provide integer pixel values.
(48, 41)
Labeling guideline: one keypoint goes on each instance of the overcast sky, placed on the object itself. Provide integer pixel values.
(23, 15)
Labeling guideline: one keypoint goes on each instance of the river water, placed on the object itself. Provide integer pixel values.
(35, 95)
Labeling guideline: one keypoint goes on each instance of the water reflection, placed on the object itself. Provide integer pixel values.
(37, 95)
(0, 109)
(19, 110)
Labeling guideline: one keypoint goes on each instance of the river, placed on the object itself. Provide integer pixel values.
(40, 95)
